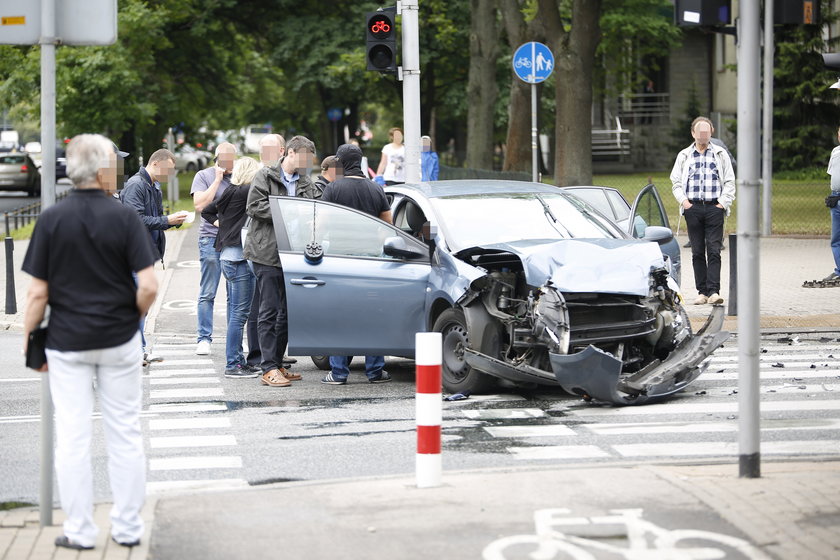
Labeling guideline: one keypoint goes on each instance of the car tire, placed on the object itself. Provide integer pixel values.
(191, 167)
(35, 189)
(458, 376)
(323, 362)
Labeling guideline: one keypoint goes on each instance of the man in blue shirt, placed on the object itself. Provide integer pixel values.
(208, 186)
(704, 186)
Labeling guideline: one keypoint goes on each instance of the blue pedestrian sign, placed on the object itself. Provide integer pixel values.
(533, 62)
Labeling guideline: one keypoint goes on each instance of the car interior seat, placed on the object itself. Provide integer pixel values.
(416, 219)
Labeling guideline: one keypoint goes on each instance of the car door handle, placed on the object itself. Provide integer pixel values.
(309, 282)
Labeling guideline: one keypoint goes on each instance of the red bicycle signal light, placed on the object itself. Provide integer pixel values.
(381, 53)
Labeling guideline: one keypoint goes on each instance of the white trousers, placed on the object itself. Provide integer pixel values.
(117, 374)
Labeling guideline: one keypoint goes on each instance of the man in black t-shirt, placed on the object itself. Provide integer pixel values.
(81, 256)
(356, 191)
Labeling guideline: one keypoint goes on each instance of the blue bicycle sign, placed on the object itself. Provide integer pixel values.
(533, 62)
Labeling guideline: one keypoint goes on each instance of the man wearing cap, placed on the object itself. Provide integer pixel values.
(142, 193)
(356, 191)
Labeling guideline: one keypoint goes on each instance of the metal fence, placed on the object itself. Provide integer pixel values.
(24, 215)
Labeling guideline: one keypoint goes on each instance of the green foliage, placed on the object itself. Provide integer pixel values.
(681, 130)
(806, 112)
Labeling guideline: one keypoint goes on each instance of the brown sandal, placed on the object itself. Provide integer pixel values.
(289, 375)
(274, 378)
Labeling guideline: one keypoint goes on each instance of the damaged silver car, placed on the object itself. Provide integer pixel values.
(528, 284)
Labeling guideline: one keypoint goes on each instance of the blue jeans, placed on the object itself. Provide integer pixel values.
(340, 369)
(835, 236)
(211, 272)
(240, 285)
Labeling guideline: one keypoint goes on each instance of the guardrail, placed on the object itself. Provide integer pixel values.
(25, 214)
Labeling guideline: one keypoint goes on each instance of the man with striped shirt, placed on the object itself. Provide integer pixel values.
(704, 186)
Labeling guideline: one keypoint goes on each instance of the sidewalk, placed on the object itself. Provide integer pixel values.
(793, 511)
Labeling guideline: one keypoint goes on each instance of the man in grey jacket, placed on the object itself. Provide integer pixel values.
(290, 177)
(704, 186)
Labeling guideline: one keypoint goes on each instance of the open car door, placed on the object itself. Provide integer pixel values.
(355, 285)
(648, 210)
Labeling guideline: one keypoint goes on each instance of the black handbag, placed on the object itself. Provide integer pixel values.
(36, 349)
(831, 200)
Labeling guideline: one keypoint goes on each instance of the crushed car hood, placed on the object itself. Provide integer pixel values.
(609, 266)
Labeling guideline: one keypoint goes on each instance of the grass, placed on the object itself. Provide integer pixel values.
(797, 205)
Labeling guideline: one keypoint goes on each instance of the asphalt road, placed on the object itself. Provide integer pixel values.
(12, 200)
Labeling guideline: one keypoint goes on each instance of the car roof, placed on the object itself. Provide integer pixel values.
(464, 187)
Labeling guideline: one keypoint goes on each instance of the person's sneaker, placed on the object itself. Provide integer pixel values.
(289, 361)
(701, 300)
(241, 373)
(254, 369)
(831, 278)
(384, 377)
(128, 544)
(715, 299)
(330, 379)
(151, 357)
(203, 348)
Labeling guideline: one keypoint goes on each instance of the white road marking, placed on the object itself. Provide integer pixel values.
(188, 423)
(168, 442)
(503, 413)
(767, 425)
(550, 430)
(716, 448)
(702, 408)
(166, 486)
(776, 373)
(184, 380)
(186, 393)
(202, 462)
(558, 452)
(192, 362)
(179, 372)
(187, 407)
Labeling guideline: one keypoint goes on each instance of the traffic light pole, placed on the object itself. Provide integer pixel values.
(767, 117)
(411, 88)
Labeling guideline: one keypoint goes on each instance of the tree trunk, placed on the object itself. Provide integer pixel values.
(575, 56)
(482, 90)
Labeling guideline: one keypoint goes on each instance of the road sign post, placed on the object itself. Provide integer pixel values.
(533, 63)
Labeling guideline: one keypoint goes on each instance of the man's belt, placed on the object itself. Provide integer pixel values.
(714, 201)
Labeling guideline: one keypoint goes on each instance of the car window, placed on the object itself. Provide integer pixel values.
(619, 204)
(340, 231)
(473, 220)
(12, 159)
(597, 198)
(648, 212)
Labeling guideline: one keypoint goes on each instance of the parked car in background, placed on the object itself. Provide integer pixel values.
(526, 283)
(19, 173)
(34, 151)
(188, 158)
(252, 135)
(9, 141)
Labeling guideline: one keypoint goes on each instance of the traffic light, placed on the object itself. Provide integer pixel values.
(382, 40)
(702, 12)
(796, 12)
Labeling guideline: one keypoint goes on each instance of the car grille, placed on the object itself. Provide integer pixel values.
(599, 318)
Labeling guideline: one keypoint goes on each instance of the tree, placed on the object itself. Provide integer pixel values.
(482, 90)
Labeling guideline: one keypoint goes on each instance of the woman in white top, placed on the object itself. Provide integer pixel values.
(392, 164)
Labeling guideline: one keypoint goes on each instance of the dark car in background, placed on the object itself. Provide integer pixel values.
(19, 173)
(527, 283)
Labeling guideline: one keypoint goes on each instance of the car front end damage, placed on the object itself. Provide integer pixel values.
(622, 348)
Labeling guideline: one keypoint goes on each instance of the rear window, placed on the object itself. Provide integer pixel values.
(12, 159)
(259, 130)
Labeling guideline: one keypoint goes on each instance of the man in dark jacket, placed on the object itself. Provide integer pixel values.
(142, 193)
(329, 169)
(290, 177)
(356, 191)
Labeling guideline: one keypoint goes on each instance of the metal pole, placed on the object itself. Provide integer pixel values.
(749, 103)
(172, 179)
(767, 137)
(411, 89)
(11, 299)
(733, 275)
(48, 42)
(535, 170)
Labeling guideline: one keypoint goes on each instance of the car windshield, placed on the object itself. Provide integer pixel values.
(473, 220)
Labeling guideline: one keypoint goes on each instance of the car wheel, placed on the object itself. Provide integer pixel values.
(458, 376)
(323, 362)
(35, 189)
(191, 167)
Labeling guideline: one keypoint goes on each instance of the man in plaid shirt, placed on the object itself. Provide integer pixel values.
(704, 186)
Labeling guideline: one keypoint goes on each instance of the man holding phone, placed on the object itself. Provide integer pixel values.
(208, 185)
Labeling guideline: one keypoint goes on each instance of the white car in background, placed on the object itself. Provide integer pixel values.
(252, 135)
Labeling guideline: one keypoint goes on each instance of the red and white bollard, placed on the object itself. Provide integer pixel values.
(429, 408)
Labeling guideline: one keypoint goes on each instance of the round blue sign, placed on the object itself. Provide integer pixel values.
(334, 114)
(533, 62)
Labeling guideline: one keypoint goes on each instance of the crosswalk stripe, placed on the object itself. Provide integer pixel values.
(198, 362)
(784, 388)
(191, 441)
(198, 462)
(702, 408)
(183, 380)
(774, 374)
(717, 448)
(188, 423)
(173, 351)
(154, 372)
(186, 407)
(558, 452)
(772, 358)
(166, 486)
(186, 393)
(503, 413)
(767, 425)
(549, 430)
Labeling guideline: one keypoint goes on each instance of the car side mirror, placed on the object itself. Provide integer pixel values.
(397, 247)
(659, 234)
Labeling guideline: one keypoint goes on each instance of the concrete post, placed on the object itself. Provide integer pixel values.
(749, 103)
(411, 89)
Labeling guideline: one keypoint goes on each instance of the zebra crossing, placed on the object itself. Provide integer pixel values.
(800, 408)
(190, 443)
